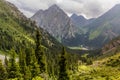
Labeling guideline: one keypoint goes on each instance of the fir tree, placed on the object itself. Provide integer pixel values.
(3, 72)
(62, 67)
(39, 52)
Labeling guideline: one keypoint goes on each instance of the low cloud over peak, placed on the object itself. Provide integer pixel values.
(88, 8)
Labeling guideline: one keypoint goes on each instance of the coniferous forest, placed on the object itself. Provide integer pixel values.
(53, 46)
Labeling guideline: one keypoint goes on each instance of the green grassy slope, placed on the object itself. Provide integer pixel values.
(17, 31)
(105, 66)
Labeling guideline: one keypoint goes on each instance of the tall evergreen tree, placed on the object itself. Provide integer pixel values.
(6, 61)
(3, 72)
(62, 67)
(21, 60)
(35, 70)
(13, 69)
(24, 69)
(39, 52)
(27, 73)
(28, 56)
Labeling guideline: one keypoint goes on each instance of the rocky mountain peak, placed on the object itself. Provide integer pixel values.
(54, 6)
(74, 15)
(80, 20)
(56, 22)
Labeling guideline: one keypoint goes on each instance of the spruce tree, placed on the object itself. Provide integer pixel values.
(39, 52)
(13, 69)
(35, 70)
(28, 56)
(21, 60)
(24, 69)
(27, 73)
(62, 66)
(3, 72)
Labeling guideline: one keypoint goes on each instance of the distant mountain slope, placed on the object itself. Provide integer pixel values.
(56, 22)
(81, 21)
(106, 27)
(94, 33)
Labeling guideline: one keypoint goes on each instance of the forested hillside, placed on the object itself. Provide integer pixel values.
(19, 39)
(28, 52)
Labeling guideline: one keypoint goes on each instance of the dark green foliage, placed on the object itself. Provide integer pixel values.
(6, 61)
(39, 52)
(89, 61)
(28, 69)
(27, 73)
(24, 69)
(21, 61)
(63, 75)
(113, 62)
(34, 67)
(3, 72)
(28, 56)
(31, 62)
(13, 69)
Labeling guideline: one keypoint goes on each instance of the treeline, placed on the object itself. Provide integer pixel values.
(38, 62)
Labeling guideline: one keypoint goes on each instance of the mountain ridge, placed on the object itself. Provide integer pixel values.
(81, 21)
(56, 22)
(104, 28)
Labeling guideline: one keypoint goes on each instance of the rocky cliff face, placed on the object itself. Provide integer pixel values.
(56, 22)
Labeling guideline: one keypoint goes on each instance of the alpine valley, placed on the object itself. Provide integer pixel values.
(77, 30)
(54, 46)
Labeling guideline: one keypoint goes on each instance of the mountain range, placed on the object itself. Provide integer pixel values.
(98, 31)
(77, 30)
(18, 33)
(105, 27)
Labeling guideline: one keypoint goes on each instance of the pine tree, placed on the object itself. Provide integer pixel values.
(62, 67)
(39, 52)
(3, 72)
(13, 69)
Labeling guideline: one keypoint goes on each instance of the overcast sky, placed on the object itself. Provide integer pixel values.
(88, 8)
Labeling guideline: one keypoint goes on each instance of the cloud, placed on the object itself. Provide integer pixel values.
(88, 8)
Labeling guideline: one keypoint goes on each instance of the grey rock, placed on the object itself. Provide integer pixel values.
(56, 22)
